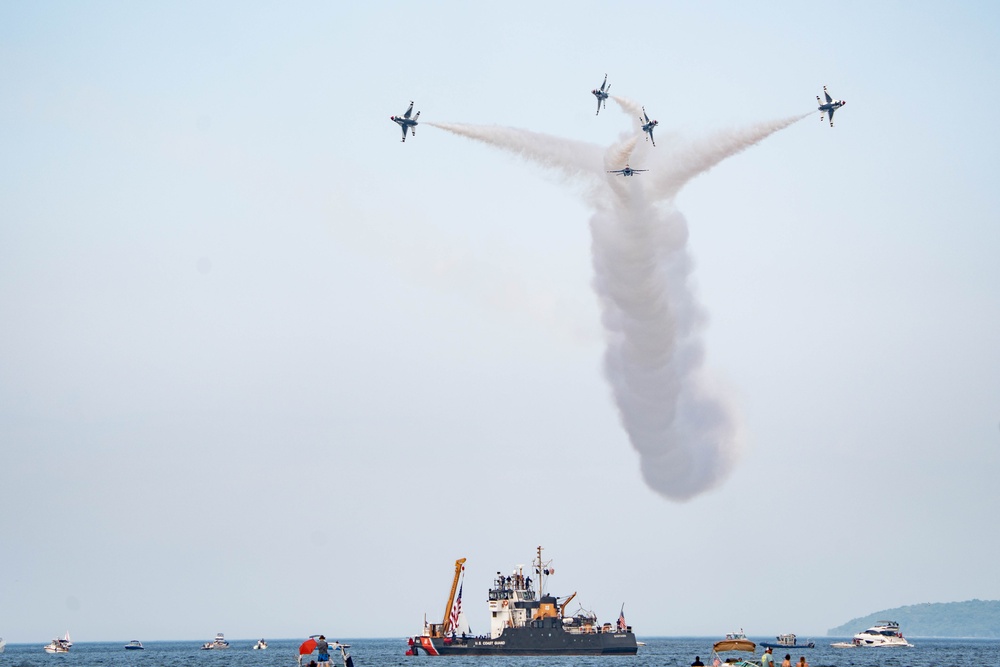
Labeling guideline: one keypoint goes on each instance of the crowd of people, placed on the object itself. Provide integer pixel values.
(766, 660)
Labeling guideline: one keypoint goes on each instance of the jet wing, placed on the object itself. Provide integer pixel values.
(829, 100)
(410, 110)
(403, 127)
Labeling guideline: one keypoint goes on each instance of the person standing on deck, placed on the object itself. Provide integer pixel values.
(322, 651)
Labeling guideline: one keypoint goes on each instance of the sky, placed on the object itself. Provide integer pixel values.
(266, 370)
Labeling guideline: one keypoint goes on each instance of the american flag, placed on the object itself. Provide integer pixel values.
(456, 608)
(621, 620)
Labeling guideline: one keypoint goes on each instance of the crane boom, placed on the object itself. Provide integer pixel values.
(446, 624)
(562, 607)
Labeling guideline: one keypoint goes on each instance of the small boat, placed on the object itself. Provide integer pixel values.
(58, 645)
(134, 645)
(882, 634)
(787, 641)
(218, 643)
(2, 644)
(307, 647)
(261, 644)
(734, 641)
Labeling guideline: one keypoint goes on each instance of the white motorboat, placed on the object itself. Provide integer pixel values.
(217, 643)
(883, 633)
(58, 645)
(2, 644)
(134, 645)
(260, 645)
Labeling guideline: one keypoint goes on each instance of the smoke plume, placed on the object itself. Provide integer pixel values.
(683, 428)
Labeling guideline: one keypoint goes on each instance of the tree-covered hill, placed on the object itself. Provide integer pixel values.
(973, 618)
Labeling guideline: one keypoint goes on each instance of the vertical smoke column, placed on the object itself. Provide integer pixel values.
(686, 438)
(682, 427)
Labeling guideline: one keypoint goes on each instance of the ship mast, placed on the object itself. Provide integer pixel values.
(542, 571)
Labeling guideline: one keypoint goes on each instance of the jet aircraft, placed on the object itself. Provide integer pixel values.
(405, 121)
(627, 171)
(601, 94)
(648, 126)
(830, 106)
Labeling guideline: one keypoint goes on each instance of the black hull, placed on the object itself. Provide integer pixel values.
(533, 641)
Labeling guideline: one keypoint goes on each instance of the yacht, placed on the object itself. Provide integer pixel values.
(135, 645)
(217, 643)
(57, 646)
(883, 633)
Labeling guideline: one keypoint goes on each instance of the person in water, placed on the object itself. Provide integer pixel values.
(697, 662)
(787, 662)
(802, 662)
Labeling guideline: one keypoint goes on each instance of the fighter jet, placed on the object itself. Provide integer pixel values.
(601, 93)
(648, 126)
(830, 106)
(627, 171)
(405, 121)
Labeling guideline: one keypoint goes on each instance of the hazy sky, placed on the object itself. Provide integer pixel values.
(268, 371)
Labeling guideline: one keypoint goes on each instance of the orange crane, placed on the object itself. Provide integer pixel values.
(446, 624)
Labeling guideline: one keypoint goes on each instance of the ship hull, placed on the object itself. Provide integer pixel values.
(532, 641)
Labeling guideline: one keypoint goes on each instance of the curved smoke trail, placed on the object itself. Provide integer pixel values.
(684, 430)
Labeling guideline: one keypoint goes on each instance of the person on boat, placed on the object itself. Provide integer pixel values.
(322, 651)
(802, 662)
(767, 660)
(787, 662)
(697, 662)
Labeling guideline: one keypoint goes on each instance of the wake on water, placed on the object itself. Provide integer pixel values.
(684, 429)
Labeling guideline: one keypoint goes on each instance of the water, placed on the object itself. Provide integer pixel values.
(658, 652)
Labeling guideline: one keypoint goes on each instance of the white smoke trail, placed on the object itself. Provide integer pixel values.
(683, 428)
(573, 158)
(690, 159)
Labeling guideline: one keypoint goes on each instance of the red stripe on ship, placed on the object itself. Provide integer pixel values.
(428, 645)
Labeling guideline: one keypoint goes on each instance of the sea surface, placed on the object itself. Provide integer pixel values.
(658, 652)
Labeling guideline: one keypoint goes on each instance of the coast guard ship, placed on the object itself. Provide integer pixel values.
(523, 622)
